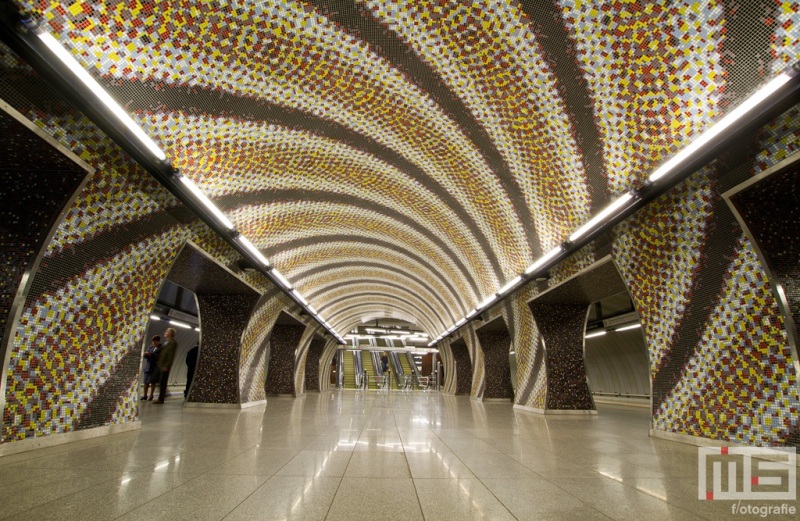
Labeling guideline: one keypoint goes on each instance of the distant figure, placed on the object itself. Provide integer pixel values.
(165, 359)
(151, 374)
(191, 363)
(384, 363)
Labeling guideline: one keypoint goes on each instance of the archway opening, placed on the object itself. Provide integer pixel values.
(615, 353)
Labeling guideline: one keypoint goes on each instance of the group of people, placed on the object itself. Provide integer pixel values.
(158, 361)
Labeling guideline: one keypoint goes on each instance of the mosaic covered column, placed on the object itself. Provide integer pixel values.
(312, 363)
(497, 373)
(37, 181)
(562, 326)
(777, 232)
(223, 320)
(463, 366)
(283, 344)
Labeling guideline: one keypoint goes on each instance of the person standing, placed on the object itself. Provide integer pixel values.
(151, 374)
(165, 359)
(191, 364)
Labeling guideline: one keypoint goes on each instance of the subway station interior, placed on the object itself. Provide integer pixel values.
(441, 260)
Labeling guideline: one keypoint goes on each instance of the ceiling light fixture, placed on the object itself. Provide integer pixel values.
(280, 279)
(299, 297)
(179, 324)
(77, 69)
(626, 328)
(488, 301)
(595, 334)
(255, 252)
(57, 64)
(511, 284)
(608, 213)
(720, 126)
(200, 196)
(544, 259)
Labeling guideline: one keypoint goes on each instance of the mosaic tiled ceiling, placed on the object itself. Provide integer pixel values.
(408, 158)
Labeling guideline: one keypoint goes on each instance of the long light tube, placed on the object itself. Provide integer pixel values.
(127, 121)
(626, 328)
(607, 212)
(719, 127)
(76, 68)
(180, 324)
(249, 246)
(544, 259)
(299, 297)
(596, 334)
(281, 279)
(510, 284)
(311, 310)
(487, 301)
(210, 206)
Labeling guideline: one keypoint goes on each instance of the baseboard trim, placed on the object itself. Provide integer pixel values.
(557, 412)
(41, 442)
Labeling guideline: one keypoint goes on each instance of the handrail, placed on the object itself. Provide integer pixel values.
(620, 395)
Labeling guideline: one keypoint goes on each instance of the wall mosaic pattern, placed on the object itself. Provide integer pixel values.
(312, 366)
(223, 317)
(31, 205)
(562, 327)
(283, 343)
(495, 346)
(462, 367)
(425, 153)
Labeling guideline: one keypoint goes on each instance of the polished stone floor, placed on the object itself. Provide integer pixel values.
(349, 455)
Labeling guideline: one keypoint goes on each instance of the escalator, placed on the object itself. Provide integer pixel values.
(407, 370)
(368, 360)
(349, 370)
(398, 374)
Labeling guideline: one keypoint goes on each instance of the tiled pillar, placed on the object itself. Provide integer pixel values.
(223, 319)
(36, 183)
(312, 363)
(497, 374)
(562, 327)
(463, 366)
(283, 344)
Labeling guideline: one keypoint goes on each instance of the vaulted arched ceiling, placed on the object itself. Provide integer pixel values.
(407, 158)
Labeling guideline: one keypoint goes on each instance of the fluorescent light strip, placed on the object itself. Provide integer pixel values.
(299, 297)
(595, 334)
(312, 310)
(547, 257)
(719, 127)
(76, 68)
(626, 328)
(607, 212)
(281, 279)
(67, 59)
(510, 284)
(179, 324)
(459, 323)
(488, 301)
(210, 206)
(155, 317)
(249, 246)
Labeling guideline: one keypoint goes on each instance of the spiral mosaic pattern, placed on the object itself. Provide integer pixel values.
(404, 159)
